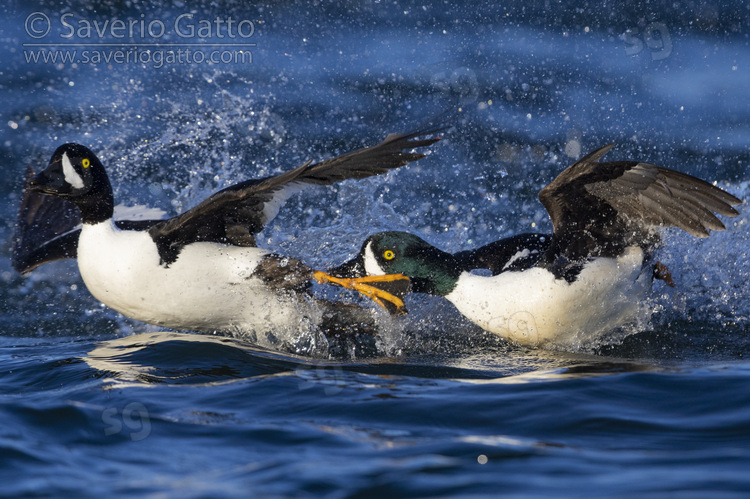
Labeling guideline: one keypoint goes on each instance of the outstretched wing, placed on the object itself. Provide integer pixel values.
(48, 228)
(235, 214)
(599, 207)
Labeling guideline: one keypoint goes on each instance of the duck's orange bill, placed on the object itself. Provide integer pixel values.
(368, 287)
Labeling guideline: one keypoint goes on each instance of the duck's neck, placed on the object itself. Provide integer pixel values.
(438, 277)
(98, 206)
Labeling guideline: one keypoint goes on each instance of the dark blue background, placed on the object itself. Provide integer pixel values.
(94, 403)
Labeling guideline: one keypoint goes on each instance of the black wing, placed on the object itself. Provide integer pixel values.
(598, 208)
(48, 228)
(235, 214)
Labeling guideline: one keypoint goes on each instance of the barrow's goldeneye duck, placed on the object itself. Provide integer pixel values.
(586, 278)
(200, 270)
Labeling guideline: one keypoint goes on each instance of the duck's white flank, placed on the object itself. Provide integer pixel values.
(533, 308)
(209, 287)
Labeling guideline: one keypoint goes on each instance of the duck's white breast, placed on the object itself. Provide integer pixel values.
(533, 308)
(210, 286)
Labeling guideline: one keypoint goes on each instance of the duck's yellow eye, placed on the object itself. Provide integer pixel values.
(86, 163)
(389, 255)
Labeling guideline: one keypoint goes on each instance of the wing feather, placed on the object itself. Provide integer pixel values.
(48, 227)
(612, 204)
(235, 214)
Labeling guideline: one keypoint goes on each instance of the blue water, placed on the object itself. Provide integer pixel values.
(93, 403)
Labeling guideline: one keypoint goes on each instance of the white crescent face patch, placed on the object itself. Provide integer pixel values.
(71, 176)
(372, 267)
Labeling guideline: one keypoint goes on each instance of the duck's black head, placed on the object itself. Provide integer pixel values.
(76, 174)
(430, 270)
